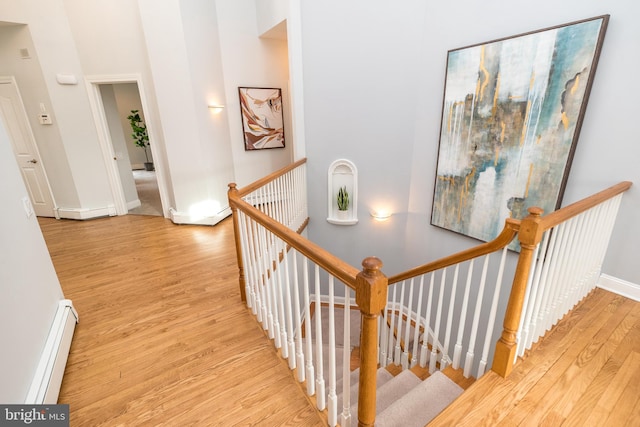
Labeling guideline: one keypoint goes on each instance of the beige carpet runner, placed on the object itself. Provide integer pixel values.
(403, 400)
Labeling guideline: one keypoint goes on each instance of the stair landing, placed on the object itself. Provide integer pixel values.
(586, 371)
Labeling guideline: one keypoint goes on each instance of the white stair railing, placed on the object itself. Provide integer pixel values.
(442, 310)
(565, 268)
(447, 306)
(289, 292)
(446, 328)
(279, 281)
(560, 261)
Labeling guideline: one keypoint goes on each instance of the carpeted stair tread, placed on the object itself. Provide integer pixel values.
(419, 406)
(392, 390)
(382, 377)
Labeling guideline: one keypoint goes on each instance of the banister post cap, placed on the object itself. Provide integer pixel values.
(371, 287)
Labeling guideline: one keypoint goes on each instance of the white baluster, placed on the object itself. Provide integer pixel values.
(445, 360)
(545, 284)
(416, 331)
(436, 329)
(270, 289)
(457, 353)
(390, 341)
(247, 261)
(321, 402)
(384, 335)
(535, 297)
(332, 398)
(396, 354)
(468, 361)
(298, 323)
(345, 418)
(282, 311)
(407, 329)
(492, 316)
(311, 382)
(289, 315)
(427, 328)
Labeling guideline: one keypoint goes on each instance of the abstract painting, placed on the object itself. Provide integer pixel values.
(262, 122)
(511, 117)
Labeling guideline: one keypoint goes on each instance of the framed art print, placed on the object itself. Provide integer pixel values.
(262, 121)
(511, 117)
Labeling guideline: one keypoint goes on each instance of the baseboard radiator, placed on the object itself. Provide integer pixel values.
(45, 386)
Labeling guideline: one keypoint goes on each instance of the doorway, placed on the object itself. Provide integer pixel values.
(14, 117)
(135, 190)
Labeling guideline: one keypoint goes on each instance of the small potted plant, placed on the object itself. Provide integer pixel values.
(140, 136)
(343, 202)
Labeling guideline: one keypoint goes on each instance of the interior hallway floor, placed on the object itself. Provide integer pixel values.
(163, 338)
(148, 193)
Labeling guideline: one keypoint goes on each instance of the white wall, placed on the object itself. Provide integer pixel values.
(184, 65)
(373, 79)
(249, 61)
(32, 87)
(28, 284)
(55, 48)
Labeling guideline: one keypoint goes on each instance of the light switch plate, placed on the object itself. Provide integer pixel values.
(28, 208)
(45, 119)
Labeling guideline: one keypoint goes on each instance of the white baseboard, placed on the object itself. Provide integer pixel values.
(620, 287)
(45, 386)
(133, 204)
(185, 218)
(78, 213)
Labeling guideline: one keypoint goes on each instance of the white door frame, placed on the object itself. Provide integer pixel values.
(12, 81)
(104, 137)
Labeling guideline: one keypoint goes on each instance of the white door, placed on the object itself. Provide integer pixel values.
(14, 118)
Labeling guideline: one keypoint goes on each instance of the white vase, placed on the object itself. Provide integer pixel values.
(343, 215)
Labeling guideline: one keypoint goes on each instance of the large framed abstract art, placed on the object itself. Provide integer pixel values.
(262, 121)
(511, 118)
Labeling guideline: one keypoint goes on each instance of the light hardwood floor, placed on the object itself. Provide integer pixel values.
(586, 372)
(163, 338)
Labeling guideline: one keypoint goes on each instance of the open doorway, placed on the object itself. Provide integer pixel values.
(123, 110)
(136, 187)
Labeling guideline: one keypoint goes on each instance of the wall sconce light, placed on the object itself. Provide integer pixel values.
(381, 215)
(216, 108)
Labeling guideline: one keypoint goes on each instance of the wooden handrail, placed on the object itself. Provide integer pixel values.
(511, 227)
(271, 177)
(332, 264)
(563, 214)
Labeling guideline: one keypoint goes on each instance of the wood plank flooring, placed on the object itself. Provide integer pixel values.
(586, 372)
(163, 339)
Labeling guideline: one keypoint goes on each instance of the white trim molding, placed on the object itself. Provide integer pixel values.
(45, 386)
(186, 218)
(620, 287)
(79, 213)
(134, 204)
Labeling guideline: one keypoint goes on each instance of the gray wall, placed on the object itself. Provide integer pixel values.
(373, 76)
(30, 288)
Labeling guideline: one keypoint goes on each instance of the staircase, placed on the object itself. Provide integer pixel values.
(404, 398)
(453, 302)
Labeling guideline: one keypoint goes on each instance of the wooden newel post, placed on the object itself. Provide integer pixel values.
(371, 297)
(529, 236)
(236, 233)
